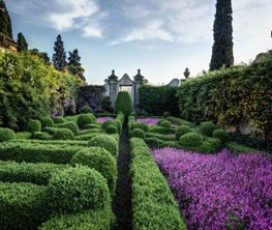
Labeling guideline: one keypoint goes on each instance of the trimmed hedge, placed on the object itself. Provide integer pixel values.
(112, 129)
(222, 135)
(138, 133)
(88, 136)
(123, 103)
(34, 126)
(153, 204)
(162, 137)
(101, 160)
(58, 119)
(162, 130)
(53, 142)
(179, 121)
(63, 134)
(35, 152)
(85, 119)
(165, 124)
(141, 125)
(23, 135)
(77, 189)
(47, 122)
(21, 206)
(38, 173)
(207, 128)
(190, 140)
(69, 125)
(181, 130)
(236, 148)
(107, 142)
(42, 136)
(6, 134)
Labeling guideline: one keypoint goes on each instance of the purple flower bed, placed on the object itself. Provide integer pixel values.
(220, 191)
(103, 119)
(149, 121)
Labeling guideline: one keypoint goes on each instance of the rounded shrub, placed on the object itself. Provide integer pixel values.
(34, 126)
(107, 142)
(181, 130)
(70, 125)
(85, 119)
(216, 144)
(76, 189)
(42, 136)
(47, 122)
(6, 134)
(138, 133)
(161, 120)
(190, 140)
(86, 109)
(112, 129)
(207, 128)
(123, 103)
(99, 159)
(63, 134)
(141, 125)
(58, 120)
(206, 147)
(165, 124)
(166, 114)
(108, 123)
(222, 135)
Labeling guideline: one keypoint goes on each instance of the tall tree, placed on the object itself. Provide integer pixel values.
(59, 57)
(74, 65)
(5, 21)
(222, 51)
(22, 44)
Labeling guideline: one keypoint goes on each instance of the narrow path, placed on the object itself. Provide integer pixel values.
(122, 200)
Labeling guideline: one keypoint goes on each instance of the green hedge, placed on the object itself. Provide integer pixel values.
(34, 126)
(230, 96)
(38, 173)
(153, 204)
(162, 130)
(47, 122)
(63, 134)
(34, 152)
(85, 119)
(21, 206)
(101, 160)
(158, 99)
(6, 134)
(137, 132)
(42, 136)
(123, 103)
(52, 142)
(69, 125)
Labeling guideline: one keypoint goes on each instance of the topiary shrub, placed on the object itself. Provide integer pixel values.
(76, 189)
(165, 124)
(63, 134)
(47, 122)
(119, 125)
(85, 119)
(6, 134)
(214, 144)
(181, 130)
(138, 133)
(166, 114)
(108, 123)
(23, 135)
(58, 120)
(123, 103)
(107, 142)
(161, 120)
(222, 135)
(141, 125)
(191, 140)
(86, 109)
(207, 128)
(42, 136)
(112, 129)
(99, 159)
(34, 126)
(70, 125)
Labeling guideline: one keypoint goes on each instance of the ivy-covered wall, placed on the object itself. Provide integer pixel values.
(156, 100)
(241, 96)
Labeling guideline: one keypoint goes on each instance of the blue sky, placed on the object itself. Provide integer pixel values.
(160, 37)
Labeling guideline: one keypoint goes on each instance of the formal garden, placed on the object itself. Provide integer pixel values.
(193, 156)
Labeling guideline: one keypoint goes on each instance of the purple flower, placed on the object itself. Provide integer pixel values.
(149, 121)
(103, 119)
(220, 191)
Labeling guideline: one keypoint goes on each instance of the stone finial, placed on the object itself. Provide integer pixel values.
(113, 72)
(139, 71)
(186, 73)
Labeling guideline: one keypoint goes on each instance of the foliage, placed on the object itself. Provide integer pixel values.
(222, 135)
(34, 126)
(162, 130)
(74, 65)
(112, 129)
(85, 119)
(222, 51)
(148, 121)
(207, 128)
(248, 91)
(21, 206)
(23, 135)
(211, 186)
(109, 122)
(190, 140)
(107, 142)
(5, 21)
(47, 122)
(42, 136)
(6, 134)
(22, 43)
(153, 204)
(69, 125)
(141, 125)
(236, 148)
(139, 133)
(101, 160)
(156, 100)
(59, 56)
(86, 109)
(58, 119)
(123, 103)
(166, 114)
(165, 124)
(181, 130)
(77, 189)
(63, 134)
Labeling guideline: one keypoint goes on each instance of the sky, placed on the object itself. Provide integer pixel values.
(159, 37)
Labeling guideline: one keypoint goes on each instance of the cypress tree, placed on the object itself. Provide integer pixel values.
(74, 65)
(22, 44)
(59, 57)
(5, 21)
(222, 51)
